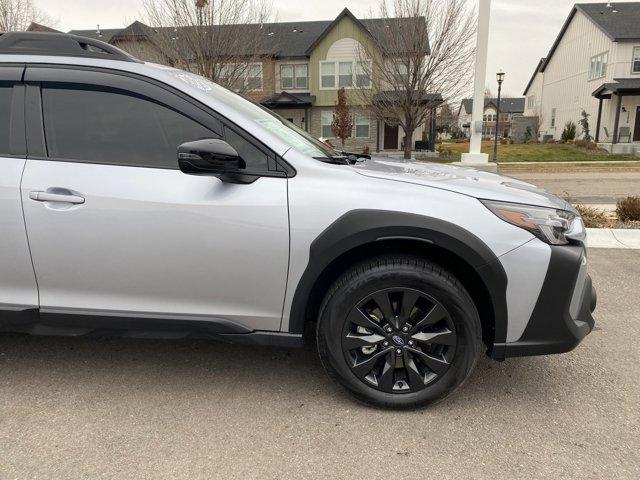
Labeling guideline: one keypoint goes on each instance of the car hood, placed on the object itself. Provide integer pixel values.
(463, 180)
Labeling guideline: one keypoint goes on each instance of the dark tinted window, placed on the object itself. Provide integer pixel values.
(106, 126)
(254, 158)
(5, 115)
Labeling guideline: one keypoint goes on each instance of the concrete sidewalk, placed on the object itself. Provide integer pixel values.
(613, 238)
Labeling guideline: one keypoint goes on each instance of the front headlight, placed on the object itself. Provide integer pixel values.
(550, 225)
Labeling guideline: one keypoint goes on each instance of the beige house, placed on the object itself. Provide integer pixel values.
(299, 72)
(593, 65)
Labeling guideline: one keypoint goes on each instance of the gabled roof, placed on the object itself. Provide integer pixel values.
(535, 73)
(135, 30)
(36, 27)
(346, 13)
(374, 28)
(620, 22)
(284, 40)
(507, 105)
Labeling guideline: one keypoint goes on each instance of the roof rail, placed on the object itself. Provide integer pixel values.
(60, 44)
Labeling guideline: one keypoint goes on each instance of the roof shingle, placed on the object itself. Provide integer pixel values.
(620, 21)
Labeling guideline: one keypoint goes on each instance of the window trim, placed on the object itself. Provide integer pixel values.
(156, 90)
(633, 60)
(335, 74)
(294, 77)
(531, 101)
(604, 71)
(355, 125)
(245, 76)
(336, 79)
(322, 125)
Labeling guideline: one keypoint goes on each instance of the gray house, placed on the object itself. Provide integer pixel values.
(509, 108)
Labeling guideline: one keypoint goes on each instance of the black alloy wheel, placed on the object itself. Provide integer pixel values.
(399, 340)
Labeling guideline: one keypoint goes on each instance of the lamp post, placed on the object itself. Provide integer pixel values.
(500, 78)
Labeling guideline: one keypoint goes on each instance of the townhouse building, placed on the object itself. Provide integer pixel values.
(299, 69)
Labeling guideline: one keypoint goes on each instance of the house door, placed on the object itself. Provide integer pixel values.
(636, 130)
(390, 137)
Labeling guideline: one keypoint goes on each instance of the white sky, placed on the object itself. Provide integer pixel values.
(522, 31)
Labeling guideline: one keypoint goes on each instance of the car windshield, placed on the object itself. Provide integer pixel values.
(286, 131)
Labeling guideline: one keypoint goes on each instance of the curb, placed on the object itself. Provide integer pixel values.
(613, 238)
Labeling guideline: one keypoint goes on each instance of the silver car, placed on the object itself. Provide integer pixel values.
(145, 201)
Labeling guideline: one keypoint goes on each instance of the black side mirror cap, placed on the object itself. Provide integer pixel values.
(213, 157)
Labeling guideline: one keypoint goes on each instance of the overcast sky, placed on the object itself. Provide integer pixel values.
(522, 31)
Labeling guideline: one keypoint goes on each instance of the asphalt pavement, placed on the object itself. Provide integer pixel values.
(115, 408)
(586, 187)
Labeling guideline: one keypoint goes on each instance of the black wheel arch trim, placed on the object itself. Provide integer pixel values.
(358, 228)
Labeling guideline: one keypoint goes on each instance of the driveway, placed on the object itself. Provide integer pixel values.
(117, 408)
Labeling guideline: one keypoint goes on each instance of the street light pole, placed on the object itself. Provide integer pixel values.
(500, 78)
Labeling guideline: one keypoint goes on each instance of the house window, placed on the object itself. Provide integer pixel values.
(636, 60)
(238, 76)
(326, 119)
(363, 74)
(231, 77)
(294, 76)
(254, 77)
(402, 73)
(345, 74)
(598, 66)
(328, 75)
(302, 76)
(531, 101)
(362, 125)
(553, 118)
(286, 76)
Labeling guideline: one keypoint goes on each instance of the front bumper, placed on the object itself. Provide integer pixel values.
(562, 315)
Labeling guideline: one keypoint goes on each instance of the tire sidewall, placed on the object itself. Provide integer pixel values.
(454, 299)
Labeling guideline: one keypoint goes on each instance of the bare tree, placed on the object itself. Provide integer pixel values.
(220, 39)
(425, 47)
(17, 15)
(537, 124)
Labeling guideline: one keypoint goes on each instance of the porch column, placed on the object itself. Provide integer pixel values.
(616, 123)
(598, 123)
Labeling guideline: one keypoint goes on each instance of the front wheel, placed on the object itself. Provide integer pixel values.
(398, 332)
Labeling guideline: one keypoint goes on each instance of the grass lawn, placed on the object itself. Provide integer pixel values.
(536, 152)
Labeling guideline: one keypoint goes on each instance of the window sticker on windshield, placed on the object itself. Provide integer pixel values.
(194, 81)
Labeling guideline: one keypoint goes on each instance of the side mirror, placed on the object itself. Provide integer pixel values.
(213, 157)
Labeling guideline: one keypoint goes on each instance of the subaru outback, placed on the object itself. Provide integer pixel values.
(145, 201)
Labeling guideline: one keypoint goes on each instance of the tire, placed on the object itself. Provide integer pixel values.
(434, 342)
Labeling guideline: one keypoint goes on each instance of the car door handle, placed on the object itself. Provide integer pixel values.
(55, 197)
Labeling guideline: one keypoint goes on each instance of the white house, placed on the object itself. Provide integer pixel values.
(593, 65)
